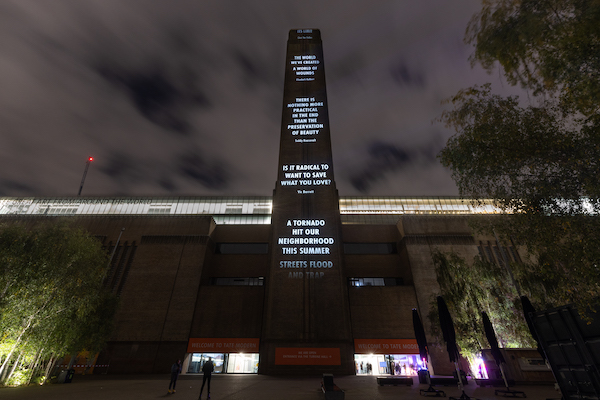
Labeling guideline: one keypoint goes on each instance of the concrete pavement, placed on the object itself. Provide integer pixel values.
(243, 387)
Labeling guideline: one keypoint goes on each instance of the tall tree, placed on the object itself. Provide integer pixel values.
(52, 295)
(538, 161)
(469, 287)
(549, 46)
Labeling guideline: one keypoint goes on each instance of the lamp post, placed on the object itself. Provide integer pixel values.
(87, 165)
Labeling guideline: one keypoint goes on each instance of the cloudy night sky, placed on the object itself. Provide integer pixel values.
(184, 97)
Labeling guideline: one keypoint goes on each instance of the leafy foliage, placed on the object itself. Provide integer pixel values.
(564, 254)
(532, 160)
(538, 162)
(549, 46)
(51, 292)
(469, 289)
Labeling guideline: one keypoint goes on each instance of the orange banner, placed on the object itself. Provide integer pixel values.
(223, 345)
(307, 356)
(386, 346)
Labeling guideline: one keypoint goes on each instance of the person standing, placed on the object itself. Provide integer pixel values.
(175, 371)
(207, 368)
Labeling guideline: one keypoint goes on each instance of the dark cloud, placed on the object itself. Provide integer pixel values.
(10, 188)
(210, 175)
(247, 64)
(135, 174)
(256, 69)
(118, 166)
(180, 40)
(184, 97)
(383, 158)
(167, 184)
(347, 67)
(407, 76)
(157, 96)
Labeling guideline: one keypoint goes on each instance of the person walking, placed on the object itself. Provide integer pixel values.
(207, 368)
(175, 371)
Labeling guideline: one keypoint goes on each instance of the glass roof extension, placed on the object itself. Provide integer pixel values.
(236, 210)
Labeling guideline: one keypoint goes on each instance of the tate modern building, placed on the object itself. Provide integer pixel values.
(301, 282)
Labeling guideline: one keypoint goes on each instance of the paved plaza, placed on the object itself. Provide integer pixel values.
(242, 387)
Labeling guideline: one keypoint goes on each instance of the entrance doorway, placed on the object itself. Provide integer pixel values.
(387, 364)
(404, 364)
(242, 363)
(370, 364)
(230, 363)
(198, 360)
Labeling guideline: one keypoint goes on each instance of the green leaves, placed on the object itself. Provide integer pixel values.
(551, 47)
(528, 159)
(51, 290)
(538, 162)
(564, 254)
(472, 287)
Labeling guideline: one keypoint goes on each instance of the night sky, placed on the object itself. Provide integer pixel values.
(184, 97)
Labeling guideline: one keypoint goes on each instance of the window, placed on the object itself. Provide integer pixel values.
(487, 253)
(514, 254)
(234, 209)
(490, 256)
(370, 248)
(261, 209)
(360, 282)
(242, 248)
(59, 211)
(481, 253)
(258, 281)
(159, 210)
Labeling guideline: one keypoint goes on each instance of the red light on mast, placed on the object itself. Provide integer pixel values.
(87, 165)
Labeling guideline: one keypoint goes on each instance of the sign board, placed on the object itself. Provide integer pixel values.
(307, 356)
(223, 345)
(386, 346)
